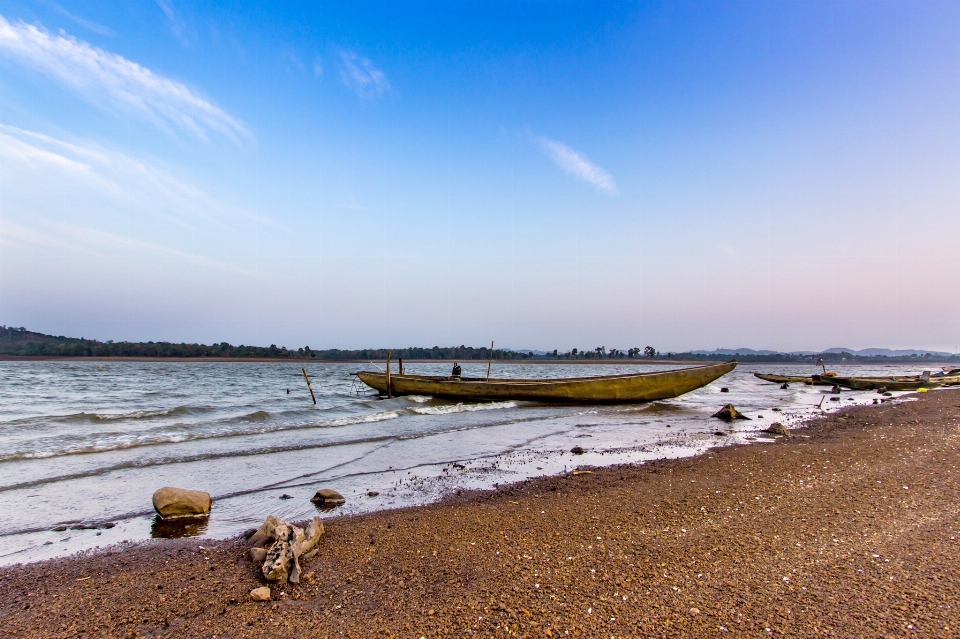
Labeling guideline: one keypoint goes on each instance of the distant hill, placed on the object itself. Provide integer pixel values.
(865, 352)
(886, 352)
(748, 351)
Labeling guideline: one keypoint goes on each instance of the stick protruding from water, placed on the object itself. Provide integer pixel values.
(314, 397)
(490, 360)
(389, 390)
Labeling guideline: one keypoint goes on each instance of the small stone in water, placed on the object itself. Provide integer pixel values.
(328, 497)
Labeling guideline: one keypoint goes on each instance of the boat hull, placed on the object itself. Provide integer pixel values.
(609, 389)
(784, 379)
(793, 379)
(887, 383)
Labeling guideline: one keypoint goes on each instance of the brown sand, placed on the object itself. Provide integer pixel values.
(850, 528)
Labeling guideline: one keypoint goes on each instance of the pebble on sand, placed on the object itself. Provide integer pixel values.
(260, 594)
(776, 428)
(577, 450)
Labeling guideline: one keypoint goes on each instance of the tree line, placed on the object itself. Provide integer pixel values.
(23, 343)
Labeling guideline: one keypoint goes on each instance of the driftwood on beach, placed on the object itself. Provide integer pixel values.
(288, 544)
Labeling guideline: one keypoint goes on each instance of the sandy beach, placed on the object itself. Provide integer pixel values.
(849, 528)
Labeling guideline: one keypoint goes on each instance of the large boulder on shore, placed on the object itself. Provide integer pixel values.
(173, 503)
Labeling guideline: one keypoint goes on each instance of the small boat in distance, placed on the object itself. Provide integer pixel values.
(622, 388)
(894, 383)
(793, 379)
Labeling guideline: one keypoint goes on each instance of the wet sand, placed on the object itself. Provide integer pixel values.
(849, 528)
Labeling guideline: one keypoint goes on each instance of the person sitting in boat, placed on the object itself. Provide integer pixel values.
(456, 371)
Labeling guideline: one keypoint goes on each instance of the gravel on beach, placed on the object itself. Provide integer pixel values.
(849, 528)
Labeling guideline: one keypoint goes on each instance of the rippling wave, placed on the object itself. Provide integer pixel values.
(174, 434)
(110, 417)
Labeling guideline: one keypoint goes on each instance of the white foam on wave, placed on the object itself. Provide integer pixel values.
(461, 408)
(365, 419)
(140, 414)
(420, 399)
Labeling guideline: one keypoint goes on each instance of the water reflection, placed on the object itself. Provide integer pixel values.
(325, 507)
(177, 528)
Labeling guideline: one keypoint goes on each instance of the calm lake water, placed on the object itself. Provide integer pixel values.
(83, 445)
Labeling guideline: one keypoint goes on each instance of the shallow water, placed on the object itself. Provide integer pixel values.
(86, 443)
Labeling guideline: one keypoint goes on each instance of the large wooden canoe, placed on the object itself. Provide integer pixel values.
(608, 389)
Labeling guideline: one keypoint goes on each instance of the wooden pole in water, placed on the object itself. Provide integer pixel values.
(490, 360)
(309, 386)
(389, 390)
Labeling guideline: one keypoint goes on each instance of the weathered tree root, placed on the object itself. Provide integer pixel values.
(288, 544)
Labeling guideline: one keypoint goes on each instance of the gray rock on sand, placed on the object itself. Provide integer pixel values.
(577, 450)
(776, 428)
(260, 594)
(288, 545)
(728, 413)
(173, 503)
(328, 497)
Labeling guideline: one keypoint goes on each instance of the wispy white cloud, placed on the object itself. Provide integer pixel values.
(13, 234)
(729, 250)
(358, 73)
(89, 25)
(177, 24)
(36, 169)
(87, 237)
(109, 80)
(294, 60)
(577, 165)
(317, 67)
(83, 198)
(90, 241)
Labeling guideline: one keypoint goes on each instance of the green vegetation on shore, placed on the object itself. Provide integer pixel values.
(19, 342)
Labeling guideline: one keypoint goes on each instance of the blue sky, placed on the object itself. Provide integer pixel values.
(550, 175)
